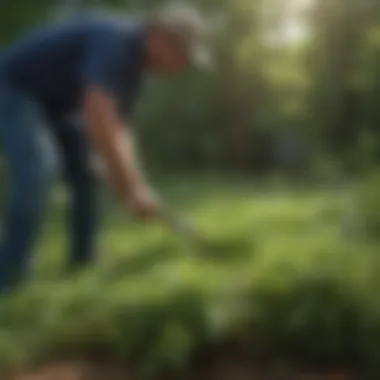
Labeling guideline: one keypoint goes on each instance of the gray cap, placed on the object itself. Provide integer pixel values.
(190, 24)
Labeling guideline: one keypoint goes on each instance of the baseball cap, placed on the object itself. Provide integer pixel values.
(191, 25)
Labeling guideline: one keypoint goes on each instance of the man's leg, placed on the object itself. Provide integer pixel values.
(28, 155)
(83, 188)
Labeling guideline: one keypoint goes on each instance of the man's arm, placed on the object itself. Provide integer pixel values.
(103, 67)
(115, 144)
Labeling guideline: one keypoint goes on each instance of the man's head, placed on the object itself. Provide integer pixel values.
(175, 39)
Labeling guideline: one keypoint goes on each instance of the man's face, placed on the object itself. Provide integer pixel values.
(167, 51)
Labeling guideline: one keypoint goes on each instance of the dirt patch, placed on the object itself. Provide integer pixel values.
(224, 371)
(73, 371)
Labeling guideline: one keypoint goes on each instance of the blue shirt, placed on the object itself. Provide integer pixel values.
(55, 63)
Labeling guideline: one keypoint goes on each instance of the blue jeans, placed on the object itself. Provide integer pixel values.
(29, 156)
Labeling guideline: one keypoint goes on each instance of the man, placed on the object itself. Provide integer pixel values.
(92, 66)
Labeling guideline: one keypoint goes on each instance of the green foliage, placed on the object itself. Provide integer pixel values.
(368, 204)
(286, 285)
(17, 17)
(264, 88)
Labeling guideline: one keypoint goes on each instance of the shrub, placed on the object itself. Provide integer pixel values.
(311, 313)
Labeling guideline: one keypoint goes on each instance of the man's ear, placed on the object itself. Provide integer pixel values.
(157, 27)
(156, 34)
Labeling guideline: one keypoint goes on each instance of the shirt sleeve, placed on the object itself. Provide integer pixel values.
(104, 61)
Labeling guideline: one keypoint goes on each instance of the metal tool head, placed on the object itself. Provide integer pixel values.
(182, 227)
(206, 248)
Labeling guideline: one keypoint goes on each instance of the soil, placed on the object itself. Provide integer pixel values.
(224, 371)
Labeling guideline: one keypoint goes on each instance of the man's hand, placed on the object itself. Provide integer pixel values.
(142, 203)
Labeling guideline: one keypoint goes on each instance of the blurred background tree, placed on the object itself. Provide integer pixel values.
(293, 80)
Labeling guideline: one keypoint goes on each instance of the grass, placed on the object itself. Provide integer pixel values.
(220, 210)
(296, 291)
